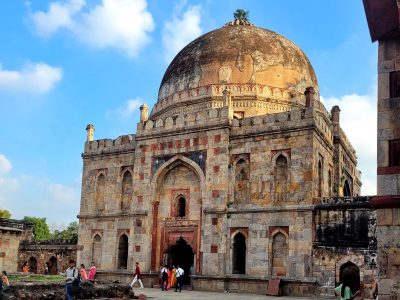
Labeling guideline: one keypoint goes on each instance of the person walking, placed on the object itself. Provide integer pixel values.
(164, 278)
(179, 278)
(137, 276)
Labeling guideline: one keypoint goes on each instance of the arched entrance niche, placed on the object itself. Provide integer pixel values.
(123, 252)
(97, 250)
(350, 273)
(279, 254)
(177, 187)
(239, 254)
(32, 263)
(181, 254)
(53, 269)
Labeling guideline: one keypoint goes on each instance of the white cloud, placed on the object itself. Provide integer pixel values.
(5, 165)
(125, 111)
(178, 32)
(36, 78)
(59, 15)
(358, 118)
(118, 24)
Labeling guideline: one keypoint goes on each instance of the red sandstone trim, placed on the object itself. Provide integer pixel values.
(154, 235)
(388, 170)
(390, 201)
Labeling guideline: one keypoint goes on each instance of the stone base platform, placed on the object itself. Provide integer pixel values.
(246, 284)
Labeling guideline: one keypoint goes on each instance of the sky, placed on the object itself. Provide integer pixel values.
(65, 64)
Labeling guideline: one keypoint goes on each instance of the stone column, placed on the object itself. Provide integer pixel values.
(309, 93)
(154, 236)
(228, 102)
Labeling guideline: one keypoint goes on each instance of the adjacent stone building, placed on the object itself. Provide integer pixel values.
(226, 174)
(12, 232)
(55, 254)
(384, 20)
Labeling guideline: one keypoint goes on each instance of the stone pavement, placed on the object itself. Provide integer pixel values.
(198, 295)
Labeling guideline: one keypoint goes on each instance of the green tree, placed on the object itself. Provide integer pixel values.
(241, 14)
(4, 213)
(70, 233)
(41, 230)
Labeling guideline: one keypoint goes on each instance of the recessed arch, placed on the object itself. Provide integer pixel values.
(279, 254)
(239, 253)
(100, 192)
(320, 178)
(242, 175)
(346, 189)
(97, 249)
(32, 263)
(126, 190)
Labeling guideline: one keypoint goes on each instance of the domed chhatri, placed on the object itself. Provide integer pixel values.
(260, 67)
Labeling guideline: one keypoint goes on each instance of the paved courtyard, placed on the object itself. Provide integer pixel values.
(158, 294)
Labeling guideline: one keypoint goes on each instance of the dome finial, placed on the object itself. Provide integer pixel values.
(241, 17)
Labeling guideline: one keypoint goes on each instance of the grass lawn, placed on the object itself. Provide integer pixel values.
(35, 278)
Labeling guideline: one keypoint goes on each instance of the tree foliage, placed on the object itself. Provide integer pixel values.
(4, 213)
(70, 233)
(41, 230)
(241, 14)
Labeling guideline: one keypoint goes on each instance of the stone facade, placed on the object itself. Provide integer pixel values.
(383, 21)
(12, 232)
(231, 191)
(56, 253)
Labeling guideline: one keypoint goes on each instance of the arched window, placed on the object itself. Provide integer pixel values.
(319, 179)
(126, 191)
(330, 183)
(123, 252)
(281, 178)
(100, 192)
(181, 209)
(279, 255)
(346, 189)
(97, 250)
(241, 181)
(239, 254)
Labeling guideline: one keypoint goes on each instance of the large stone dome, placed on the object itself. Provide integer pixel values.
(264, 71)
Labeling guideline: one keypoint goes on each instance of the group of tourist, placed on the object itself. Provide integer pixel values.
(74, 276)
(171, 277)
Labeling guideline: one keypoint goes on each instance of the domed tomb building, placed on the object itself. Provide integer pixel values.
(225, 171)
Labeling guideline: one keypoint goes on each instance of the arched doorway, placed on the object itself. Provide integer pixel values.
(181, 254)
(32, 263)
(351, 273)
(53, 270)
(123, 252)
(239, 254)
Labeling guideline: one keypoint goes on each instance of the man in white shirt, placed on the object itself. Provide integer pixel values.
(72, 274)
(179, 278)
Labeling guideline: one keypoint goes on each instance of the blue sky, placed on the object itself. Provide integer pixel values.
(64, 64)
